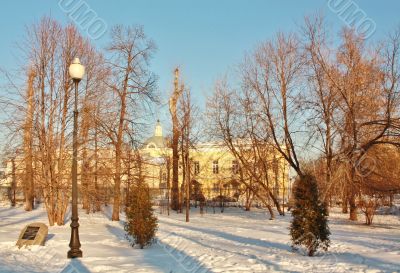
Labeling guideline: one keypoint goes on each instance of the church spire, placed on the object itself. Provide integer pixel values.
(158, 130)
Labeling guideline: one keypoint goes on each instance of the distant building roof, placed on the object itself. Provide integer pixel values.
(157, 140)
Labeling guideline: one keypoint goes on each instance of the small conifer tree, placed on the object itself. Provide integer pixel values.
(141, 222)
(309, 225)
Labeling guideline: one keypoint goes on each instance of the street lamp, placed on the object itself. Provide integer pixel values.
(76, 72)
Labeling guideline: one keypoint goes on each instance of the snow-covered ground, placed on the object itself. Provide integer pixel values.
(234, 241)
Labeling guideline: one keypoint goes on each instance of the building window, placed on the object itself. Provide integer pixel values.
(215, 167)
(235, 167)
(164, 177)
(215, 187)
(196, 167)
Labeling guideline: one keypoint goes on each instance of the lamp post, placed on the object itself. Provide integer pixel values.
(76, 72)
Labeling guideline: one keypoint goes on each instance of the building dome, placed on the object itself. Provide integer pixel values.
(157, 140)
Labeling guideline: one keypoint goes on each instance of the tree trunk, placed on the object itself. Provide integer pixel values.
(117, 184)
(344, 203)
(175, 169)
(13, 182)
(352, 197)
(271, 213)
(62, 205)
(96, 168)
(249, 199)
(28, 181)
(276, 202)
(168, 183)
(85, 168)
(85, 187)
(353, 207)
(129, 177)
(187, 187)
(50, 213)
(175, 141)
(118, 150)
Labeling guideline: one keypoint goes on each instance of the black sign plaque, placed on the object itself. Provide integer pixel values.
(30, 233)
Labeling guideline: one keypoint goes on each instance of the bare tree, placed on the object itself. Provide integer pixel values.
(28, 142)
(49, 49)
(42, 52)
(188, 113)
(175, 140)
(96, 75)
(268, 115)
(132, 84)
(234, 120)
(367, 84)
(355, 91)
(272, 74)
(322, 97)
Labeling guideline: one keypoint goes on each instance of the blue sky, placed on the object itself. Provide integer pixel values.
(204, 38)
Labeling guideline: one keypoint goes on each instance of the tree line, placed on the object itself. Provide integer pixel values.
(115, 95)
(324, 106)
(328, 106)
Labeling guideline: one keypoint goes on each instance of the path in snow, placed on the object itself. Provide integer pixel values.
(234, 241)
